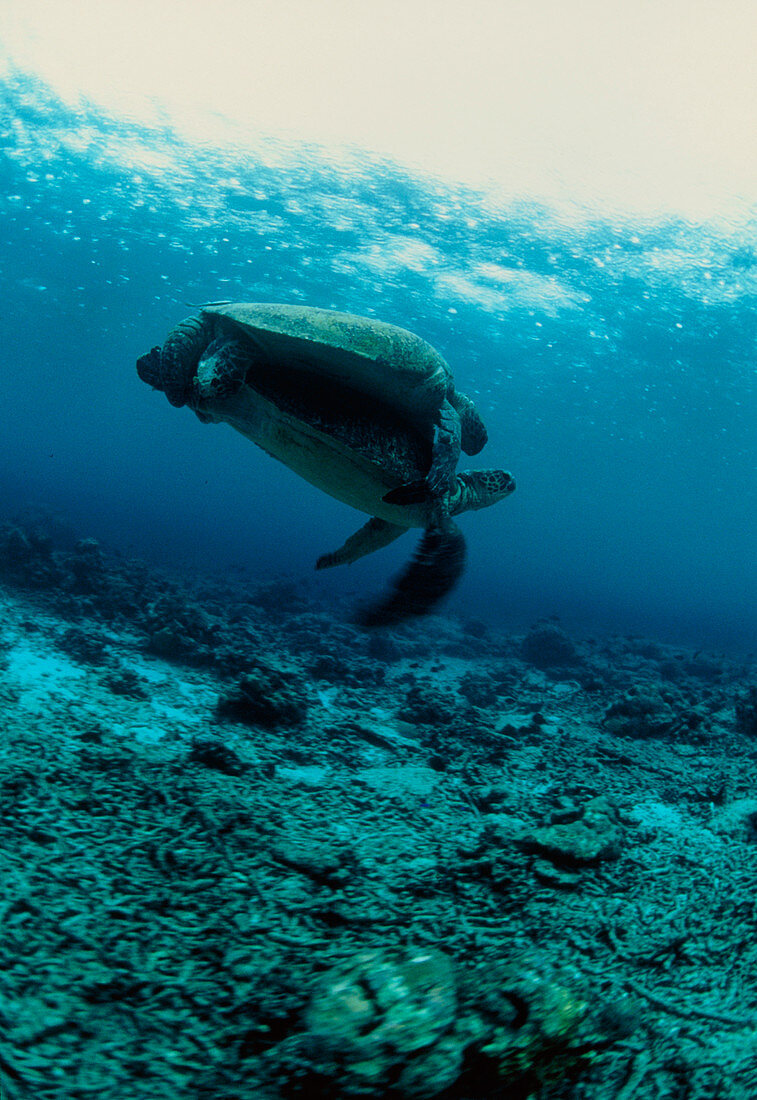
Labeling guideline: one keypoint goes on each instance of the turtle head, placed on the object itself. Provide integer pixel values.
(480, 488)
(172, 368)
(200, 362)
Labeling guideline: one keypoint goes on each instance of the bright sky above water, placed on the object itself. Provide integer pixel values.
(642, 105)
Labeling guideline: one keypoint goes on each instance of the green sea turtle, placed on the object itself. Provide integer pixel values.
(342, 440)
(383, 362)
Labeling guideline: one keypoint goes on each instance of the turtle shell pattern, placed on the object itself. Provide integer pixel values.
(376, 359)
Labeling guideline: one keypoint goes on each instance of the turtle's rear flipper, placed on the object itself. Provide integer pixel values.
(414, 492)
(445, 450)
(473, 433)
(433, 572)
(371, 536)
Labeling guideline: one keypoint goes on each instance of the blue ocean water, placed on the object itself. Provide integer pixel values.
(613, 359)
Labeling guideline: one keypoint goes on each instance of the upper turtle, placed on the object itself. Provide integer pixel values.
(388, 364)
(356, 448)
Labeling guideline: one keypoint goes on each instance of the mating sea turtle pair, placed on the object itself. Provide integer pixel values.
(364, 410)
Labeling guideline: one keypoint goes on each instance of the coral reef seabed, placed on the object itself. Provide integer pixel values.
(251, 851)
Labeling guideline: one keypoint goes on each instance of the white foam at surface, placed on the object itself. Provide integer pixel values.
(633, 106)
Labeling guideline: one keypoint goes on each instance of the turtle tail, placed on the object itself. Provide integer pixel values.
(434, 571)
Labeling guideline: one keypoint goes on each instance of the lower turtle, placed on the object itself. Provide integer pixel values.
(384, 362)
(351, 447)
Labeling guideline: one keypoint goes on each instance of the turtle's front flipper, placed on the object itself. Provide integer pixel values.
(433, 572)
(222, 369)
(445, 451)
(372, 536)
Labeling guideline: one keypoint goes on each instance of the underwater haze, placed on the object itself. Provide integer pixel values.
(611, 352)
